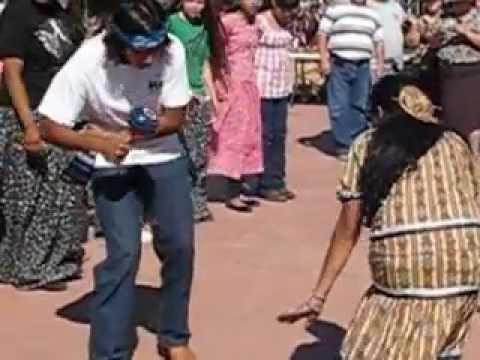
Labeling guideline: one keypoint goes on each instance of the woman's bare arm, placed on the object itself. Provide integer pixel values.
(343, 240)
(13, 70)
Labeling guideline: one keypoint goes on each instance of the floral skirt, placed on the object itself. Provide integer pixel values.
(196, 136)
(392, 328)
(44, 213)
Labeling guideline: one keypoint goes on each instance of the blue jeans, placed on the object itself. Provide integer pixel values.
(348, 89)
(274, 132)
(123, 198)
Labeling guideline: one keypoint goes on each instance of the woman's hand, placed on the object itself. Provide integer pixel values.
(309, 310)
(344, 238)
(32, 140)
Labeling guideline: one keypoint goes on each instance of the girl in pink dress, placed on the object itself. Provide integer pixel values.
(236, 151)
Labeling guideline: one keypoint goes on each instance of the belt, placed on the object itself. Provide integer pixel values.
(349, 61)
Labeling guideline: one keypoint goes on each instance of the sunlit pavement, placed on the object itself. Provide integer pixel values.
(248, 268)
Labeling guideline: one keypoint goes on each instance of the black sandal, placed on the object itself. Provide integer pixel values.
(240, 207)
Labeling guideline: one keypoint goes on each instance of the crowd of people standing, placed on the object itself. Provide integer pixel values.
(159, 100)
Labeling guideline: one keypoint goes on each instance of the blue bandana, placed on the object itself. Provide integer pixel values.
(146, 41)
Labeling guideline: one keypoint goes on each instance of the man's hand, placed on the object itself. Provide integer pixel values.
(325, 66)
(116, 148)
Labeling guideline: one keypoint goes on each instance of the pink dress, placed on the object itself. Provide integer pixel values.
(237, 147)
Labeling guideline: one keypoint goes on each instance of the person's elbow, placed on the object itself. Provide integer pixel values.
(349, 221)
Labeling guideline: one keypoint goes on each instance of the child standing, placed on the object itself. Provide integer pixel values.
(236, 151)
(276, 74)
(196, 26)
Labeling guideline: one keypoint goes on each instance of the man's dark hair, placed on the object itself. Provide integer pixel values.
(132, 17)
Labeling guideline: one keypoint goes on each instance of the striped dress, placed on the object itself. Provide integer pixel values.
(424, 257)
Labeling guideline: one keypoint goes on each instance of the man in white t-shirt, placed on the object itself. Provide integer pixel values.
(133, 71)
(391, 16)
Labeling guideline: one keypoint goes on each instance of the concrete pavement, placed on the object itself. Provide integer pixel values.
(249, 268)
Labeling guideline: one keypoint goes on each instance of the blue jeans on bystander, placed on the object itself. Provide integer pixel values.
(274, 132)
(348, 89)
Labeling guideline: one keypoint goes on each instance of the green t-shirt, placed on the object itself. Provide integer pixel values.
(195, 40)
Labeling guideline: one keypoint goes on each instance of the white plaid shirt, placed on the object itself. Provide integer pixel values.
(275, 68)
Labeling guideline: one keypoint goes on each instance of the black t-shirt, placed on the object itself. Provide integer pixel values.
(43, 37)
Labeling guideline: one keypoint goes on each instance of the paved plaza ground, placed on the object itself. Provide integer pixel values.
(249, 268)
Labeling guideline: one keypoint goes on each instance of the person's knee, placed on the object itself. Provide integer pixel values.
(125, 255)
(175, 244)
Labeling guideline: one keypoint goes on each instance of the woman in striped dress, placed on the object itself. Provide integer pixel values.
(414, 184)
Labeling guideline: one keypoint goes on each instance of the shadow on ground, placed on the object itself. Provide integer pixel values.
(79, 310)
(322, 142)
(327, 347)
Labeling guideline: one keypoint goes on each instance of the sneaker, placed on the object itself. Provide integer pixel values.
(237, 205)
(273, 195)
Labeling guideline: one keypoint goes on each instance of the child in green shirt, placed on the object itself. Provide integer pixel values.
(196, 25)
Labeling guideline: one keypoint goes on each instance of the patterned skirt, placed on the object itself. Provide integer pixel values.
(392, 328)
(44, 213)
(196, 136)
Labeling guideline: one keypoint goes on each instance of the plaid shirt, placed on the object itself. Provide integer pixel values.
(275, 68)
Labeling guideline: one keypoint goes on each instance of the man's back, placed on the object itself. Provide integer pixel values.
(391, 16)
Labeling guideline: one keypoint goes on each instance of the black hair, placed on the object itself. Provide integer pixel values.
(282, 4)
(231, 5)
(216, 36)
(287, 4)
(397, 143)
(133, 17)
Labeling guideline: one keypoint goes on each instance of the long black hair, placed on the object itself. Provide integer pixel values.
(216, 36)
(397, 143)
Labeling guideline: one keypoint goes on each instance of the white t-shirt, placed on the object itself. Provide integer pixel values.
(392, 16)
(91, 86)
(353, 31)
